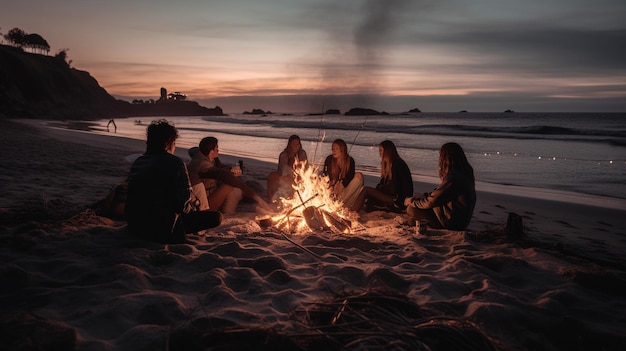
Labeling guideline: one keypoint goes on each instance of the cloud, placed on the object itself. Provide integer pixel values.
(546, 51)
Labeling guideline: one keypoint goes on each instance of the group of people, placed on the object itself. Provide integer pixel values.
(168, 198)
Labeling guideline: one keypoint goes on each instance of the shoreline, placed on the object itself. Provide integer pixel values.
(420, 181)
(558, 219)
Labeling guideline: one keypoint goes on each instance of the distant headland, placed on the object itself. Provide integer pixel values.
(40, 86)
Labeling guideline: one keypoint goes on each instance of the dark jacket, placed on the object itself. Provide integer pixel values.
(401, 186)
(349, 173)
(453, 201)
(158, 189)
(213, 174)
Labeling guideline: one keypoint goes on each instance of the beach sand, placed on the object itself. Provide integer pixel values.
(75, 280)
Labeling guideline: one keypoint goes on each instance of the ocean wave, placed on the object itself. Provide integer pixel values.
(614, 136)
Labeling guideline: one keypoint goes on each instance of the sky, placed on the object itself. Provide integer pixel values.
(313, 55)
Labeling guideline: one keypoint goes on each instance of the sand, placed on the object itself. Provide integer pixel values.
(74, 280)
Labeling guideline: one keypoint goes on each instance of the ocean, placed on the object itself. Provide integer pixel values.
(563, 153)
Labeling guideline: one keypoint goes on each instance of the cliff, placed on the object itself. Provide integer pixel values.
(40, 86)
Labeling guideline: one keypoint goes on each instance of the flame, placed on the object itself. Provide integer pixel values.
(311, 191)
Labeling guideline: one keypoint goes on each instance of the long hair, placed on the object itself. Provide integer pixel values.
(452, 159)
(339, 166)
(390, 155)
(160, 135)
(291, 158)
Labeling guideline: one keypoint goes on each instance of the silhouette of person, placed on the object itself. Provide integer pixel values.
(452, 203)
(159, 192)
(111, 121)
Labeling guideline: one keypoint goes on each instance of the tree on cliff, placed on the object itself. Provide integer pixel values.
(16, 37)
(62, 55)
(20, 39)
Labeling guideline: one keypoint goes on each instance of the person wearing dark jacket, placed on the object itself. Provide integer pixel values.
(222, 186)
(452, 203)
(159, 192)
(396, 183)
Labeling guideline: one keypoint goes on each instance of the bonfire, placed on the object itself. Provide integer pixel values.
(312, 207)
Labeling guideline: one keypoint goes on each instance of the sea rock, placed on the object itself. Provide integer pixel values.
(257, 111)
(359, 111)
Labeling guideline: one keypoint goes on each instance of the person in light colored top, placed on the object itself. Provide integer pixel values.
(220, 184)
(344, 181)
(451, 204)
(280, 183)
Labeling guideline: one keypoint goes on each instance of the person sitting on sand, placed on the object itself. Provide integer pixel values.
(281, 181)
(339, 166)
(395, 183)
(159, 192)
(452, 203)
(222, 187)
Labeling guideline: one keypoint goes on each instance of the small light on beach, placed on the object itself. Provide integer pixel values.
(611, 162)
(553, 158)
(539, 157)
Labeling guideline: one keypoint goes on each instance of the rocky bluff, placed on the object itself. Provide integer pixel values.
(41, 86)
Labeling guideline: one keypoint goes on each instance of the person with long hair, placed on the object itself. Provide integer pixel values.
(159, 192)
(396, 183)
(344, 181)
(223, 188)
(451, 204)
(280, 182)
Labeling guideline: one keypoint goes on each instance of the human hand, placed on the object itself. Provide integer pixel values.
(408, 201)
(236, 170)
(338, 188)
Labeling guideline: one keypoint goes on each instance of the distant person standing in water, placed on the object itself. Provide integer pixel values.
(159, 193)
(344, 182)
(395, 183)
(281, 181)
(452, 203)
(111, 121)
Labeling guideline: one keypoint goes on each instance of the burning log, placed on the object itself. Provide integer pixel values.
(319, 219)
(307, 214)
(314, 218)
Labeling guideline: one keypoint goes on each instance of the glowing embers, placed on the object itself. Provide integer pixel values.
(312, 206)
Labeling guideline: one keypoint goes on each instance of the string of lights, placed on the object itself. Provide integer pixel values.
(555, 158)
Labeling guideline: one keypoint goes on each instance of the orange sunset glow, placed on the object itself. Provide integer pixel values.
(404, 52)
